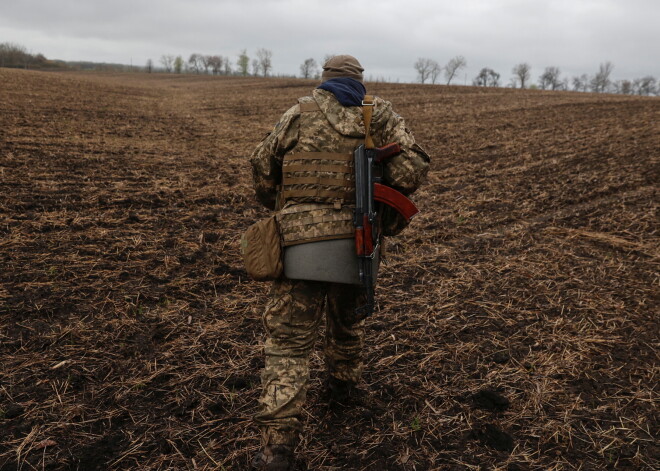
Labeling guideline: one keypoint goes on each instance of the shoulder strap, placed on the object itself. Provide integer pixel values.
(367, 112)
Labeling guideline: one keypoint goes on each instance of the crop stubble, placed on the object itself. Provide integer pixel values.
(517, 317)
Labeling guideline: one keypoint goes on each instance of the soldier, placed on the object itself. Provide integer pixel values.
(301, 169)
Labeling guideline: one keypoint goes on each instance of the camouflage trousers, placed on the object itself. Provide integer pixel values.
(292, 319)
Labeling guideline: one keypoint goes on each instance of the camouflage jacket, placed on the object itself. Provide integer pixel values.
(321, 124)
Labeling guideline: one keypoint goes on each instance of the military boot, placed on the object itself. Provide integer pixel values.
(340, 391)
(274, 458)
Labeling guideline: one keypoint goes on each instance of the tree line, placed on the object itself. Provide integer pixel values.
(259, 65)
(429, 70)
(216, 64)
(16, 56)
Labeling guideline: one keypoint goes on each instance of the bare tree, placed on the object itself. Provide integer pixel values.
(424, 67)
(522, 72)
(243, 63)
(227, 66)
(626, 87)
(168, 62)
(255, 67)
(206, 63)
(453, 67)
(150, 66)
(435, 71)
(215, 64)
(601, 81)
(194, 62)
(308, 68)
(549, 79)
(581, 83)
(622, 87)
(644, 86)
(487, 78)
(264, 56)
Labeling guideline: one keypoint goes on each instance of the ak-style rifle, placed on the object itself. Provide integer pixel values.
(368, 191)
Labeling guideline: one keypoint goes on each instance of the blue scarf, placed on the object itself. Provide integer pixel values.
(348, 91)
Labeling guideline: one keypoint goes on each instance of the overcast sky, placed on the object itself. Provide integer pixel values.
(387, 36)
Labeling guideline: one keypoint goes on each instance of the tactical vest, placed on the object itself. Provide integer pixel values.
(318, 181)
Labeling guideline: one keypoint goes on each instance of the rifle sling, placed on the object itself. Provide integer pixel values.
(367, 113)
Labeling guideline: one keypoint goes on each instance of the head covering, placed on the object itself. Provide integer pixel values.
(342, 66)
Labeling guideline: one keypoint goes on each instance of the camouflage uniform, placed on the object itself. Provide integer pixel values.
(319, 124)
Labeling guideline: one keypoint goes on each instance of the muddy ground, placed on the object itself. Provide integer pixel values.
(517, 319)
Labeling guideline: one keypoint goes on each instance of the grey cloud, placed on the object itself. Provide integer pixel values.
(386, 36)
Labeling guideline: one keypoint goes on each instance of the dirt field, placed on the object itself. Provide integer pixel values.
(517, 321)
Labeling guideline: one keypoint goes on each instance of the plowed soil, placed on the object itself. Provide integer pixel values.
(517, 320)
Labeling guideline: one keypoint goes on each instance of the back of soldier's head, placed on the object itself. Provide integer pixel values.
(342, 66)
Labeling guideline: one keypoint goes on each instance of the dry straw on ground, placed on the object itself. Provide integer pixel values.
(516, 326)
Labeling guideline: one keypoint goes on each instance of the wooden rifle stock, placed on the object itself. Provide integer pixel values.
(385, 152)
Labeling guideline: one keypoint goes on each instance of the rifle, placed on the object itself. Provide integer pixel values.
(368, 191)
